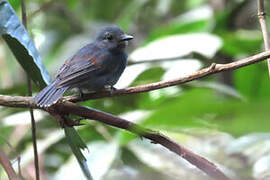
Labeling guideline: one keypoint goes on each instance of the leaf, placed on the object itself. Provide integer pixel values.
(148, 76)
(261, 168)
(205, 109)
(241, 42)
(20, 43)
(76, 144)
(105, 155)
(178, 45)
(195, 20)
(256, 86)
(243, 143)
(159, 159)
(125, 19)
(219, 87)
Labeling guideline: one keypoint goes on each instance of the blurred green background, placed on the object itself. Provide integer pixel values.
(224, 117)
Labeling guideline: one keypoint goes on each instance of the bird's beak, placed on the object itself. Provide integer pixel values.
(126, 37)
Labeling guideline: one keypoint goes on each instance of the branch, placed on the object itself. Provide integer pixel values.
(24, 102)
(261, 16)
(15, 152)
(4, 161)
(109, 119)
(68, 107)
(90, 113)
(213, 69)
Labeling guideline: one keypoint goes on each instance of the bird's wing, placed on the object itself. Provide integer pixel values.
(77, 69)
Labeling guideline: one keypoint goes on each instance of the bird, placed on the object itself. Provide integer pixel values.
(94, 67)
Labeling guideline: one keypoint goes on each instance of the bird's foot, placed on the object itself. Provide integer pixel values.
(82, 95)
(71, 122)
(77, 122)
(112, 90)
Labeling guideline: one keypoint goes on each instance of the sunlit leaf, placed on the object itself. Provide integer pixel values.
(193, 21)
(261, 168)
(178, 45)
(99, 160)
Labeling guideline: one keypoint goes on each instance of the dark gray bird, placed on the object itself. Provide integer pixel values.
(93, 67)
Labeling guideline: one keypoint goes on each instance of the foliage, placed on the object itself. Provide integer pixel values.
(211, 116)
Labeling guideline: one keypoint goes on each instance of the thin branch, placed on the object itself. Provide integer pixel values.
(15, 151)
(4, 161)
(155, 137)
(26, 102)
(29, 84)
(65, 108)
(68, 107)
(214, 68)
(262, 17)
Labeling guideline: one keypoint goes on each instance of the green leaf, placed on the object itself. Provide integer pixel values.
(20, 43)
(257, 85)
(126, 16)
(205, 109)
(241, 42)
(219, 87)
(76, 144)
(188, 22)
(148, 76)
(197, 26)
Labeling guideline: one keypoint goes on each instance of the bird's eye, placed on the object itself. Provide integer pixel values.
(108, 36)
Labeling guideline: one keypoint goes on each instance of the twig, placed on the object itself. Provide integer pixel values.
(261, 16)
(163, 84)
(68, 107)
(29, 84)
(109, 119)
(26, 102)
(89, 113)
(4, 161)
(15, 151)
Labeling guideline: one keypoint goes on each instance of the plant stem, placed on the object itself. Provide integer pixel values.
(29, 85)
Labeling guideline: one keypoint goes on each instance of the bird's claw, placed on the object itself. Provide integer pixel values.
(75, 122)
(81, 94)
(112, 89)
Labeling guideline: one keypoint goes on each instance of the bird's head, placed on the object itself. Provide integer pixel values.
(113, 38)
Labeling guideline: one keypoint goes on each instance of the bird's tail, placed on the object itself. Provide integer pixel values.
(49, 95)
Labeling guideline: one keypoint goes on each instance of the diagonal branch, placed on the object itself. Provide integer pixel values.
(4, 161)
(213, 69)
(19, 101)
(261, 16)
(109, 119)
(66, 107)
